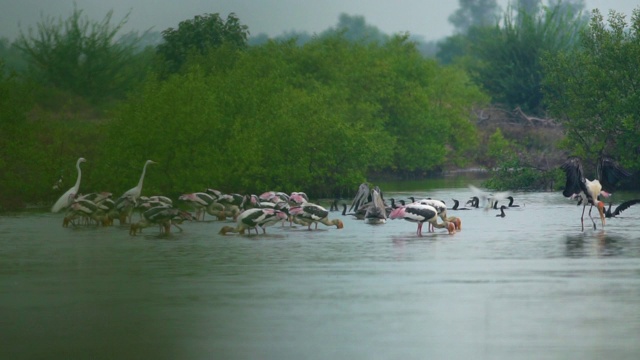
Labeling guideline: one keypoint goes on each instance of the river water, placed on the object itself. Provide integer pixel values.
(530, 285)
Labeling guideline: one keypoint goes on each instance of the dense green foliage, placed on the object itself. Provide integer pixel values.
(595, 89)
(315, 118)
(34, 154)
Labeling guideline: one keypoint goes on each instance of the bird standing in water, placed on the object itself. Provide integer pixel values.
(67, 198)
(609, 172)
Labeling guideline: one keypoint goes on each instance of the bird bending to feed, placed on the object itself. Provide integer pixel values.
(440, 206)
(254, 218)
(421, 213)
(163, 215)
(502, 214)
(203, 203)
(620, 208)
(609, 172)
(309, 213)
(67, 198)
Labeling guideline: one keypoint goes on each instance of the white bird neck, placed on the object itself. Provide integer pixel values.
(77, 186)
(144, 170)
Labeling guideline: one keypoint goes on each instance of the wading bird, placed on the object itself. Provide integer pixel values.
(67, 198)
(502, 214)
(511, 204)
(609, 172)
(456, 205)
(309, 213)
(254, 218)
(163, 215)
(134, 193)
(420, 213)
(127, 201)
(376, 212)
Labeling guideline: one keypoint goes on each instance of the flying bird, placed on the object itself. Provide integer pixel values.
(67, 198)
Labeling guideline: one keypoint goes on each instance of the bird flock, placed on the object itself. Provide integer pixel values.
(257, 212)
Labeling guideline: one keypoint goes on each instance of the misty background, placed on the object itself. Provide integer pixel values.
(424, 20)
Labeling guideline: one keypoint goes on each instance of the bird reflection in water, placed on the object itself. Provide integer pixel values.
(599, 243)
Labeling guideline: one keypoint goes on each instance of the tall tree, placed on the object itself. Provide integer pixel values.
(79, 55)
(199, 35)
(595, 89)
(474, 13)
(355, 28)
(507, 58)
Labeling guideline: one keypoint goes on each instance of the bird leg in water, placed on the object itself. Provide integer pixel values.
(590, 217)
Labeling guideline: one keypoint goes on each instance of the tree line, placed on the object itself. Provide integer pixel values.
(214, 111)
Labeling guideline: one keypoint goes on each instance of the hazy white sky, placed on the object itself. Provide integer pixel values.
(427, 18)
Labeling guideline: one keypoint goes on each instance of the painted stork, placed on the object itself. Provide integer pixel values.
(609, 172)
(67, 198)
(309, 213)
(201, 202)
(298, 198)
(163, 215)
(86, 209)
(254, 218)
(421, 213)
(440, 207)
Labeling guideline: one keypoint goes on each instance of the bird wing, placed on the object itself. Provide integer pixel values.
(314, 212)
(575, 177)
(64, 200)
(377, 207)
(478, 193)
(361, 197)
(610, 172)
(624, 206)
